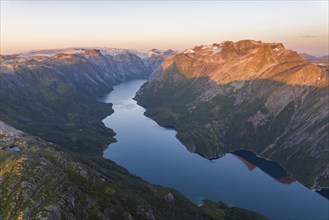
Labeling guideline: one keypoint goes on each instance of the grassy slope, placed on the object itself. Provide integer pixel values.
(40, 103)
(43, 178)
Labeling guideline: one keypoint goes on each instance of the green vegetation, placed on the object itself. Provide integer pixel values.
(220, 210)
(41, 104)
(43, 179)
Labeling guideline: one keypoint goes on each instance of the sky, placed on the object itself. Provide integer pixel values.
(30, 25)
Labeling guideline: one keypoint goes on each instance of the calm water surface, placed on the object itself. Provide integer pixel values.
(153, 153)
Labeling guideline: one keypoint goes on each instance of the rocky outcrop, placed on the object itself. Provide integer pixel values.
(170, 199)
(246, 95)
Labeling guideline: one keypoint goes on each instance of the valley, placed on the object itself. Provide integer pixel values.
(164, 110)
(53, 95)
(52, 138)
(240, 179)
(221, 99)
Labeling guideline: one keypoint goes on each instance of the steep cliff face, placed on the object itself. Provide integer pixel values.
(246, 95)
(54, 96)
(40, 180)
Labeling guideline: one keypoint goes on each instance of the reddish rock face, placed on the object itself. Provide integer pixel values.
(248, 60)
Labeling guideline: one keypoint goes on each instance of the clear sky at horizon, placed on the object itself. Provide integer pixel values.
(28, 25)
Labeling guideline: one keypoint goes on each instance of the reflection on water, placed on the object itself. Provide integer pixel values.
(251, 161)
(324, 193)
(154, 153)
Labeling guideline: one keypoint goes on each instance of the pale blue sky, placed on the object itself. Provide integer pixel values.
(25, 25)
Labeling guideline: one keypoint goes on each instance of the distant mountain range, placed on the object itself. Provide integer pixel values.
(309, 57)
(103, 50)
(115, 51)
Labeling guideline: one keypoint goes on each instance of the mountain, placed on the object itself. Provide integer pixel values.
(52, 166)
(319, 60)
(307, 56)
(54, 96)
(247, 95)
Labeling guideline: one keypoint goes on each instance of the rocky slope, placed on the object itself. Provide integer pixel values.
(246, 95)
(40, 180)
(52, 94)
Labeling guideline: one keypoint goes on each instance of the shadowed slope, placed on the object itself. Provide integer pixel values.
(54, 97)
(249, 95)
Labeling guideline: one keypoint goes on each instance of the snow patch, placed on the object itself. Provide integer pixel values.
(216, 50)
(189, 51)
(140, 53)
(48, 53)
(205, 47)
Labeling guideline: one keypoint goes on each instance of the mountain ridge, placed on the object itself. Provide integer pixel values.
(106, 51)
(255, 61)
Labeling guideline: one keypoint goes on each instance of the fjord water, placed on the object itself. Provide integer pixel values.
(153, 153)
